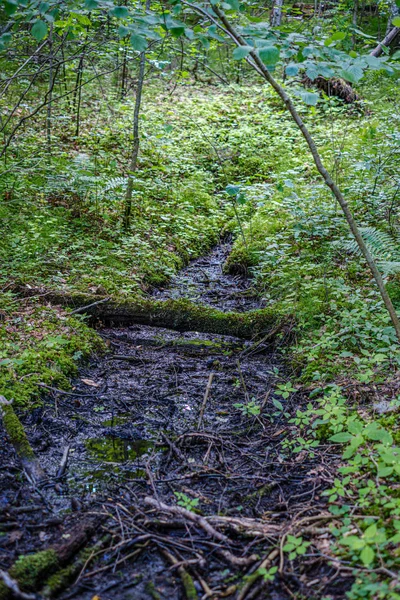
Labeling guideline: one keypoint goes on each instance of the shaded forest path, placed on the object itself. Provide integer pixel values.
(192, 492)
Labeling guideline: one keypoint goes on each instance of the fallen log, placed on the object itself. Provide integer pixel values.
(30, 571)
(388, 40)
(179, 315)
(20, 442)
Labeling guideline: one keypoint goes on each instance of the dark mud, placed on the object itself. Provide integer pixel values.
(137, 434)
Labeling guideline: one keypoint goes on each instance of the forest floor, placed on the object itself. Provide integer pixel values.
(174, 443)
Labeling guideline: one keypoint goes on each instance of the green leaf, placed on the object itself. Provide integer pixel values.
(241, 52)
(177, 31)
(342, 437)
(291, 70)
(367, 555)
(352, 74)
(396, 21)
(376, 433)
(309, 98)
(278, 404)
(269, 55)
(123, 31)
(233, 4)
(91, 4)
(138, 42)
(39, 30)
(232, 190)
(120, 12)
(338, 35)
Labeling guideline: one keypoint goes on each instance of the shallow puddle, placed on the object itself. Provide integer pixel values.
(117, 450)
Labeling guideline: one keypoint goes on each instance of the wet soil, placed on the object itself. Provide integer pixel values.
(193, 422)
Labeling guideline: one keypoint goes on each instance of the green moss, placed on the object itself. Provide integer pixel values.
(16, 432)
(60, 580)
(29, 571)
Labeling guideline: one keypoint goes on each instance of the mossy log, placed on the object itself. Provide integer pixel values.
(30, 571)
(20, 442)
(179, 315)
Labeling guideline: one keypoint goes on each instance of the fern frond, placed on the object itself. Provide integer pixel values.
(382, 245)
(389, 267)
(115, 183)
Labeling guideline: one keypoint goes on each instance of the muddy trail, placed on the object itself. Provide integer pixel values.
(177, 471)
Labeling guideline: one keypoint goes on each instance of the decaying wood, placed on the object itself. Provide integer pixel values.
(20, 442)
(179, 315)
(334, 87)
(30, 571)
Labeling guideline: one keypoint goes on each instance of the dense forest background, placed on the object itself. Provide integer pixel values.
(135, 136)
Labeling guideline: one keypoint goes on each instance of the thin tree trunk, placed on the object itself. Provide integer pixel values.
(276, 13)
(354, 22)
(259, 66)
(136, 140)
(50, 90)
(394, 12)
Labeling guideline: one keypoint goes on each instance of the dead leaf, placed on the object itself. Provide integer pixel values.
(15, 535)
(278, 432)
(90, 382)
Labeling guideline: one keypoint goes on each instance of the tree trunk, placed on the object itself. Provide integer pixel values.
(276, 13)
(136, 139)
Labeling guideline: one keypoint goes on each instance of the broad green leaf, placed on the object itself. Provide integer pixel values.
(384, 471)
(10, 7)
(120, 12)
(39, 30)
(269, 55)
(396, 21)
(233, 4)
(232, 190)
(177, 31)
(241, 52)
(342, 437)
(376, 433)
(338, 35)
(123, 31)
(309, 98)
(355, 427)
(371, 531)
(367, 555)
(278, 404)
(352, 74)
(138, 42)
(91, 4)
(291, 70)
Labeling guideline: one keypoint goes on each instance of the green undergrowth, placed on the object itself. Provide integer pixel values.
(298, 247)
(39, 345)
(61, 220)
